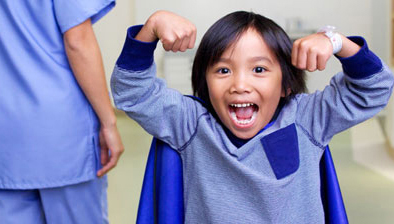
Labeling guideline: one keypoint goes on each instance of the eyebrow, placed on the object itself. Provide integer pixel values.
(261, 58)
(224, 60)
(253, 59)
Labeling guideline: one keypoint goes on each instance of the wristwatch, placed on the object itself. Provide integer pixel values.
(334, 37)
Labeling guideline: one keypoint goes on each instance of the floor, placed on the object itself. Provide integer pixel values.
(365, 170)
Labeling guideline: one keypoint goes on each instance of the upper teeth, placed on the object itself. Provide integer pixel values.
(241, 104)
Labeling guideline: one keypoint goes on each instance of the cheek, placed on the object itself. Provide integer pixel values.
(209, 88)
(211, 93)
(213, 89)
(276, 85)
(216, 97)
(270, 91)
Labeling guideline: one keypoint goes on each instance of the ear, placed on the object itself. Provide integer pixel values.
(288, 91)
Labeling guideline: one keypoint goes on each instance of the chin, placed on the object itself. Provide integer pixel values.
(244, 135)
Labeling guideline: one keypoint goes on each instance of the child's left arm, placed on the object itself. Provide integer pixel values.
(312, 52)
(354, 95)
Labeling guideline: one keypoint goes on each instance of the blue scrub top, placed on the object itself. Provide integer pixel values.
(48, 130)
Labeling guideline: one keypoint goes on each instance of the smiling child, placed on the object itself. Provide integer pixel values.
(251, 151)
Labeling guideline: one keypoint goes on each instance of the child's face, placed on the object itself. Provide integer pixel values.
(245, 85)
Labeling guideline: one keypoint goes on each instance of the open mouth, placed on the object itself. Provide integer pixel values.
(243, 113)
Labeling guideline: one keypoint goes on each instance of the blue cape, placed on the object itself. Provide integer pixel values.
(161, 198)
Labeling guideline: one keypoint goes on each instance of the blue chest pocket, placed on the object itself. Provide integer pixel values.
(281, 148)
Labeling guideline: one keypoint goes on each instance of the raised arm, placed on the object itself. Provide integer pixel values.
(163, 112)
(173, 31)
(312, 52)
(85, 60)
(354, 95)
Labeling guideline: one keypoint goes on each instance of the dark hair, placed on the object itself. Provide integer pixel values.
(226, 31)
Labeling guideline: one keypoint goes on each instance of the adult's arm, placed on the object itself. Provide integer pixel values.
(86, 63)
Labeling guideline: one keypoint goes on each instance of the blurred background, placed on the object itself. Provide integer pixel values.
(363, 155)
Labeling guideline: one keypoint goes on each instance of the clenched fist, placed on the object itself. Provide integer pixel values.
(174, 32)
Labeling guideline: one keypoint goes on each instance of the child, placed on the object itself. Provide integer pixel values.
(251, 151)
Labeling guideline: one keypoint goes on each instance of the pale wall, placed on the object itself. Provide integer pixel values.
(367, 18)
(111, 32)
(352, 17)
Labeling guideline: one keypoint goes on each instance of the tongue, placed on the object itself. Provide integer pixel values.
(244, 112)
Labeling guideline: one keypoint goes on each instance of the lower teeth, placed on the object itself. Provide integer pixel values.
(234, 116)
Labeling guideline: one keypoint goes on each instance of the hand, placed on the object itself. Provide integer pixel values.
(311, 52)
(109, 141)
(175, 32)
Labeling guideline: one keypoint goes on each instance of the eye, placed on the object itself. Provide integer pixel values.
(223, 70)
(259, 69)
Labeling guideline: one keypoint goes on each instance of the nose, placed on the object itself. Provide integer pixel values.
(240, 83)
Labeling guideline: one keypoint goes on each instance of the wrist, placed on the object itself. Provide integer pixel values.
(349, 48)
(147, 32)
(109, 121)
(334, 37)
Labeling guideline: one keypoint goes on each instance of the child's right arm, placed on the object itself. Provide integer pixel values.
(163, 112)
(175, 32)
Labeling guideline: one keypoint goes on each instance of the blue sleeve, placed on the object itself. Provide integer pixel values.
(70, 13)
(136, 55)
(163, 112)
(363, 64)
(353, 96)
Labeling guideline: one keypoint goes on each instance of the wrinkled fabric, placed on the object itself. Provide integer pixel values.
(79, 203)
(226, 184)
(48, 130)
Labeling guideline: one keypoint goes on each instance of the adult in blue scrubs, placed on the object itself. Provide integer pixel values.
(58, 134)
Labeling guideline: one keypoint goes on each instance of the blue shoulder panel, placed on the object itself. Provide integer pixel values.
(281, 148)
